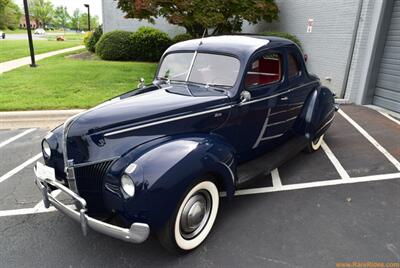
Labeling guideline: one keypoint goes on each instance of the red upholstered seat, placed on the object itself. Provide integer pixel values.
(264, 71)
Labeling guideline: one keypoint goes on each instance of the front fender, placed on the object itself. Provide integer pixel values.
(167, 170)
(317, 113)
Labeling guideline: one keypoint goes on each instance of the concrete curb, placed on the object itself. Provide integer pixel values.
(35, 119)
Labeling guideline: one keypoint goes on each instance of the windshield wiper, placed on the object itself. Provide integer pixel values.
(218, 85)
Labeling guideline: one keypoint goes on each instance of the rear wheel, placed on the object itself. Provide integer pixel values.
(314, 145)
(193, 219)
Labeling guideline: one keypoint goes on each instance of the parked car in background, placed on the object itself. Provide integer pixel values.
(2, 35)
(221, 112)
(39, 31)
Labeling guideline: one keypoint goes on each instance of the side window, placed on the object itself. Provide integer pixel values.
(293, 66)
(265, 70)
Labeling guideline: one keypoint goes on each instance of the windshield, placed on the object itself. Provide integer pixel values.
(207, 69)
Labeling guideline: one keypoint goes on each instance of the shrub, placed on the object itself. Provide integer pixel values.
(181, 37)
(149, 44)
(115, 45)
(146, 44)
(94, 38)
(284, 35)
(86, 38)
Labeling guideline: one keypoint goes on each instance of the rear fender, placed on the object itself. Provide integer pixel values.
(317, 113)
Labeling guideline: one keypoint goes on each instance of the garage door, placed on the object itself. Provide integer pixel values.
(387, 92)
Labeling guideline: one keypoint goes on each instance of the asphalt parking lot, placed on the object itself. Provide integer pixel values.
(340, 204)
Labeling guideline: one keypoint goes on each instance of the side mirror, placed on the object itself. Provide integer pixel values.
(245, 96)
(141, 83)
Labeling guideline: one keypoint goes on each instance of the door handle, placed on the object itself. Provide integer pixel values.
(284, 98)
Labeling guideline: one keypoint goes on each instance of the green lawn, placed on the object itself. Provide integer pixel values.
(14, 49)
(16, 31)
(69, 36)
(65, 83)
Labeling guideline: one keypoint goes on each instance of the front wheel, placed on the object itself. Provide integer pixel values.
(315, 144)
(193, 219)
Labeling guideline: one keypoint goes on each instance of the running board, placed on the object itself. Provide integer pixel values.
(264, 164)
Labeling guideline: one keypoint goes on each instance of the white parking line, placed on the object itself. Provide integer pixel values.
(38, 208)
(371, 140)
(298, 186)
(307, 185)
(40, 205)
(20, 167)
(28, 211)
(4, 143)
(390, 117)
(24, 211)
(339, 168)
(276, 179)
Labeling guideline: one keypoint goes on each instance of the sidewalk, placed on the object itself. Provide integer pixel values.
(35, 119)
(13, 64)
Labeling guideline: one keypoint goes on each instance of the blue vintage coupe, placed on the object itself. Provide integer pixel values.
(220, 112)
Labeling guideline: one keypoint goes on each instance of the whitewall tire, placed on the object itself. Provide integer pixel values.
(194, 218)
(314, 145)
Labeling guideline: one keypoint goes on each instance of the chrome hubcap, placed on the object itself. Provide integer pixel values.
(195, 214)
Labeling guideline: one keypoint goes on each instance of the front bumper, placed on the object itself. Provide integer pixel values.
(137, 233)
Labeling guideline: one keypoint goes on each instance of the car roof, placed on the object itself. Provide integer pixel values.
(242, 46)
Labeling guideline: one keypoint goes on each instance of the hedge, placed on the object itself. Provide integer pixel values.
(115, 45)
(86, 38)
(93, 38)
(146, 44)
(149, 44)
(181, 37)
(284, 35)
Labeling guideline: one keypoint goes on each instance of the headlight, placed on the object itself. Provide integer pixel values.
(127, 185)
(46, 149)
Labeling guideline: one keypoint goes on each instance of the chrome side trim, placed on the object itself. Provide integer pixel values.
(328, 122)
(288, 110)
(296, 104)
(282, 122)
(166, 121)
(272, 137)
(278, 94)
(262, 130)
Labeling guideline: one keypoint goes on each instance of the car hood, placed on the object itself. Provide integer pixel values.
(115, 127)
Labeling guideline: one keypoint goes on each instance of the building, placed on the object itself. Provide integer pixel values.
(353, 46)
(34, 24)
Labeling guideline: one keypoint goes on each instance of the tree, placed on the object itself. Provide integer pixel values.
(83, 21)
(10, 14)
(42, 11)
(75, 19)
(197, 16)
(61, 17)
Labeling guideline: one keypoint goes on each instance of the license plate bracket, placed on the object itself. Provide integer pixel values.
(45, 172)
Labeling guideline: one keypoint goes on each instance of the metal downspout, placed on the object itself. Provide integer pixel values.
(351, 51)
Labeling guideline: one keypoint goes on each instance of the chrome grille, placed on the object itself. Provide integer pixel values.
(90, 178)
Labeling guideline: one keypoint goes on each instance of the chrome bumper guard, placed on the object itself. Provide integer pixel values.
(137, 233)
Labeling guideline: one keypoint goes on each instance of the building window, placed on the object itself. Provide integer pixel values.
(264, 70)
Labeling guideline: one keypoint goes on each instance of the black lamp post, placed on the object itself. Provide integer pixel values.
(28, 28)
(88, 15)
